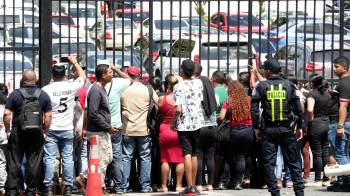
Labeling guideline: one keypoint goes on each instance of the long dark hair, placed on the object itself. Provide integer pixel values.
(318, 83)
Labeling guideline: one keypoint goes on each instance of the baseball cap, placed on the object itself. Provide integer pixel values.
(58, 70)
(272, 65)
(134, 71)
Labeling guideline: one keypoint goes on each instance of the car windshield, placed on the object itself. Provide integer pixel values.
(243, 21)
(173, 23)
(10, 19)
(138, 17)
(72, 48)
(119, 24)
(64, 20)
(195, 21)
(82, 12)
(284, 27)
(263, 46)
(17, 64)
(118, 60)
(224, 50)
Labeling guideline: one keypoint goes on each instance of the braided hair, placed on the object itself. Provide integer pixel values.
(239, 101)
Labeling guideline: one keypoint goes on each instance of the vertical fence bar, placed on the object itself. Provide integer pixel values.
(150, 37)
(341, 24)
(45, 42)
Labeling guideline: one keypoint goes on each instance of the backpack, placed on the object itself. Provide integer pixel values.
(152, 113)
(30, 118)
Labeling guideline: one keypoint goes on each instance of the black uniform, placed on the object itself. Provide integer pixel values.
(279, 104)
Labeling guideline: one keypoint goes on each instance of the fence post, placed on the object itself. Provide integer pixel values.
(45, 43)
(341, 24)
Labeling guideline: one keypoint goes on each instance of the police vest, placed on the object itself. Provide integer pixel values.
(276, 103)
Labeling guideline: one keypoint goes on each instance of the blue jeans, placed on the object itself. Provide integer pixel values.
(64, 140)
(340, 147)
(83, 158)
(116, 167)
(143, 145)
(279, 163)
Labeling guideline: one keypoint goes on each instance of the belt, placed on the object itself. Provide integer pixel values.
(277, 124)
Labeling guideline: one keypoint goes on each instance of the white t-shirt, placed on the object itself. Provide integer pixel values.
(189, 95)
(62, 95)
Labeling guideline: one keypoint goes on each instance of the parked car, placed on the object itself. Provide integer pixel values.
(120, 60)
(4, 36)
(211, 52)
(299, 60)
(63, 20)
(233, 22)
(12, 66)
(263, 48)
(117, 34)
(26, 6)
(135, 14)
(165, 26)
(300, 32)
(195, 20)
(86, 13)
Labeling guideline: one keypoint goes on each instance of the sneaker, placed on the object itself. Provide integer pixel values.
(221, 186)
(147, 190)
(314, 184)
(189, 190)
(339, 188)
(238, 187)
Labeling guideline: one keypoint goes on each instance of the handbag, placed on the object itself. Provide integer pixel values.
(224, 131)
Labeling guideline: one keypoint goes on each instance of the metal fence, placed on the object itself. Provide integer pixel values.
(304, 35)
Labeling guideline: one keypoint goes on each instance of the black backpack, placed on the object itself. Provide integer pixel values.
(30, 118)
(152, 123)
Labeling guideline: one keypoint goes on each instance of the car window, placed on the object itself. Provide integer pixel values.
(134, 16)
(263, 46)
(64, 20)
(309, 28)
(31, 19)
(146, 23)
(118, 60)
(10, 19)
(329, 29)
(17, 32)
(318, 55)
(82, 12)
(72, 48)
(17, 64)
(215, 19)
(215, 51)
(243, 21)
(167, 23)
(119, 24)
(162, 44)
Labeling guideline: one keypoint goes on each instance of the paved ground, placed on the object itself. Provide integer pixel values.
(250, 192)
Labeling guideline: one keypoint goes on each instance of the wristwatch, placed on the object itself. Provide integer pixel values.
(339, 126)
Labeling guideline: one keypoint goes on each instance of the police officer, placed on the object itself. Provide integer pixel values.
(279, 103)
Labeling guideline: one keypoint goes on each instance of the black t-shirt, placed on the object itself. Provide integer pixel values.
(344, 89)
(321, 103)
(341, 93)
(15, 101)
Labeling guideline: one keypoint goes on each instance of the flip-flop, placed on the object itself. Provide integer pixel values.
(164, 190)
(179, 189)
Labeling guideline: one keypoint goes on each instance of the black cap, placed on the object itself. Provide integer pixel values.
(272, 65)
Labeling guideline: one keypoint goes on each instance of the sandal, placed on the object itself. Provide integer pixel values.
(209, 188)
(162, 190)
(179, 189)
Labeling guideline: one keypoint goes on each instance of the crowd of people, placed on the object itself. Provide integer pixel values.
(188, 134)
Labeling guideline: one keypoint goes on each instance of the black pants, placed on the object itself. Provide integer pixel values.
(241, 140)
(30, 144)
(318, 140)
(272, 137)
(206, 153)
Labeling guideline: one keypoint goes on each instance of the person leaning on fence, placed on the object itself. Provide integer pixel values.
(61, 134)
(98, 117)
(339, 128)
(135, 103)
(27, 136)
(279, 103)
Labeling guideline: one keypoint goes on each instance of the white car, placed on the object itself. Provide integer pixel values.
(213, 53)
(116, 34)
(12, 66)
(86, 13)
(165, 26)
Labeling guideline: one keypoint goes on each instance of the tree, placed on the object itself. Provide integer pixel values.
(199, 6)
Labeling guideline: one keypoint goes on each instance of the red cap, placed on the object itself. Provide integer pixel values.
(134, 71)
